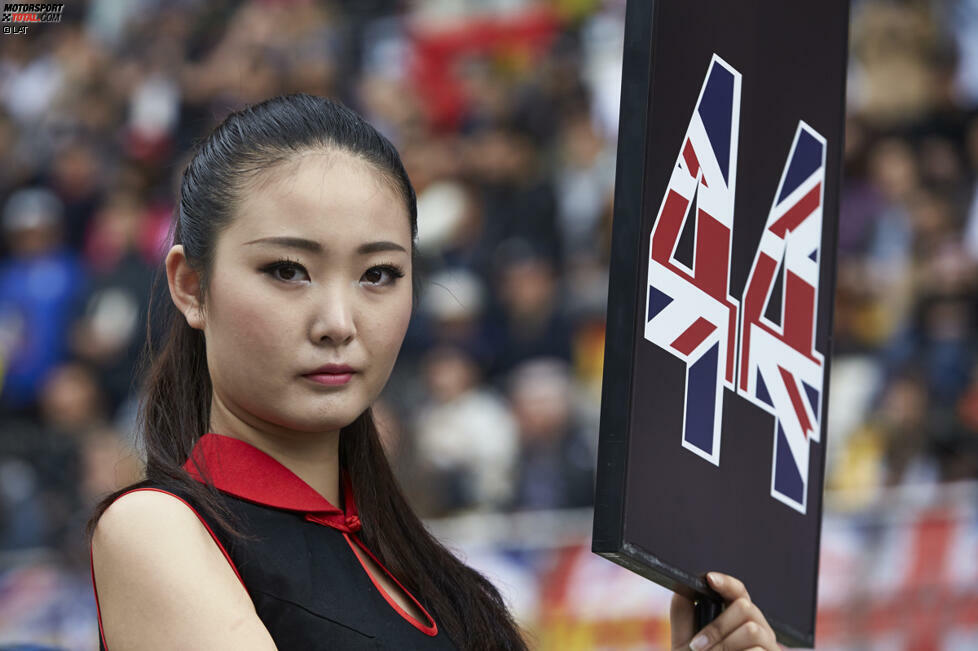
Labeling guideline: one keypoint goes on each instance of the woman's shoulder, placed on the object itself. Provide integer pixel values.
(153, 554)
(153, 523)
(151, 529)
(146, 507)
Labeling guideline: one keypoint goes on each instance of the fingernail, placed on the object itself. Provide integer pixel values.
(715, 578)
(699, 643)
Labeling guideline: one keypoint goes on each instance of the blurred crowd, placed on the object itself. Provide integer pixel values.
(505, 114)
(905, 371)
(493, 405)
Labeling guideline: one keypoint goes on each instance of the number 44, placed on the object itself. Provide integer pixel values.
(761, 344)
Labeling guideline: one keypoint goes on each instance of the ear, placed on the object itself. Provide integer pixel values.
(184, 285)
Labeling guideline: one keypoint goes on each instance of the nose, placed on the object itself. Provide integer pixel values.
(334, 316)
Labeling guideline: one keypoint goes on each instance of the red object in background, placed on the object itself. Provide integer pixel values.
(913, 584)
(152, 238)
(436, 51)
(145, 148)
(102, 252)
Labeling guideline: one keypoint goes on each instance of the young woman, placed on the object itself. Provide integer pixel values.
(270, 517)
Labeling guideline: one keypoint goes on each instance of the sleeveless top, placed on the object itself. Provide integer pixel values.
(309, 587)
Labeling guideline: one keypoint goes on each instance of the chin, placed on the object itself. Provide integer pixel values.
(315, 411)
(321, 423)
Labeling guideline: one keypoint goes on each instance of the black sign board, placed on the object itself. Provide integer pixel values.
(719, 325)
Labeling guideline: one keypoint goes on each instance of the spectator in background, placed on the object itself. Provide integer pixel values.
(39, 462)
(971, 215)
(75, 178)
(893, 446)
(964, 465)
(888, 255)
(15, 152)
(529, 320)
(111, 330)
(466, 438)
(516, 192)
(78, 455)
(584, 177)
(555, 467)
(876, 246)
(453, 313)
(72, 400)
(946, 280)
(40, 283)
(893, 50)
(451, 228)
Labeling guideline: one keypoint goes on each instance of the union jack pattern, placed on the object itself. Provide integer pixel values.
(780, 370)
(689, 309)
(690, 312)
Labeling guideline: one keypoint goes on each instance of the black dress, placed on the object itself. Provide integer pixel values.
(309, 587)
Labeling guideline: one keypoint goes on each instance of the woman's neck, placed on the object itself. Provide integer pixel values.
(312, 456)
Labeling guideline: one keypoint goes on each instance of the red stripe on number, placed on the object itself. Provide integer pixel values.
(694, 336)
(692, 163)
(792, 386)
(798, 213)
(666, 230)
(799, 314)
(712, 256)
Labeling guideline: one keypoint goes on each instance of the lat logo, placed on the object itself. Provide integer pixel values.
(24, 13)
(690, 312)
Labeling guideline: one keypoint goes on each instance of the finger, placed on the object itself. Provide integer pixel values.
(750, 634)
(682, 622)
(729, 587)
(735, 615)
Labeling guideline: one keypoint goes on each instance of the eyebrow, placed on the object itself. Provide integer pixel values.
(315, 247)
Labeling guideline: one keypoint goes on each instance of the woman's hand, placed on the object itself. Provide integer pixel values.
(740, 626)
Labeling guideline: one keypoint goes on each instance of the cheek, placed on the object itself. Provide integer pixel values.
(247, 331)
(388, 329)
(401, 319)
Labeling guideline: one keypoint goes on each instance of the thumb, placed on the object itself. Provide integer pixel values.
(681, 621)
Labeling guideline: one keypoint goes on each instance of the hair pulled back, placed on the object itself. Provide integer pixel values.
(175, 399)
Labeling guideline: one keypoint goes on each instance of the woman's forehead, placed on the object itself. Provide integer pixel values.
(330, 196)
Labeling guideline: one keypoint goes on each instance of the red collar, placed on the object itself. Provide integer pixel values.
(244, 471)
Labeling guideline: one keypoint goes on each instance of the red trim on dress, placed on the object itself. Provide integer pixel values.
(241, 469)
(431, 629)
(98, 611)
(91, 560)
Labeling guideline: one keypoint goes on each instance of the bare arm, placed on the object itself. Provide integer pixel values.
(163, 583)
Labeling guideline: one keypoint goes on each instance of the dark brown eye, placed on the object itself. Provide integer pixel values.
(375, 275)
(285, 270)
(286, 273)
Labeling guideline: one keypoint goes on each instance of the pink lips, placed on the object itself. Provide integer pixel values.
(331, 379)
(331, 374)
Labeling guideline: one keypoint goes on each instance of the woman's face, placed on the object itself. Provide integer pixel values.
(314, 269)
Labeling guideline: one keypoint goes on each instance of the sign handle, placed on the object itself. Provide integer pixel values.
(706, 610)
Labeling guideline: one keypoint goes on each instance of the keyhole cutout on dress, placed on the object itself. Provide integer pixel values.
(388, 588)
